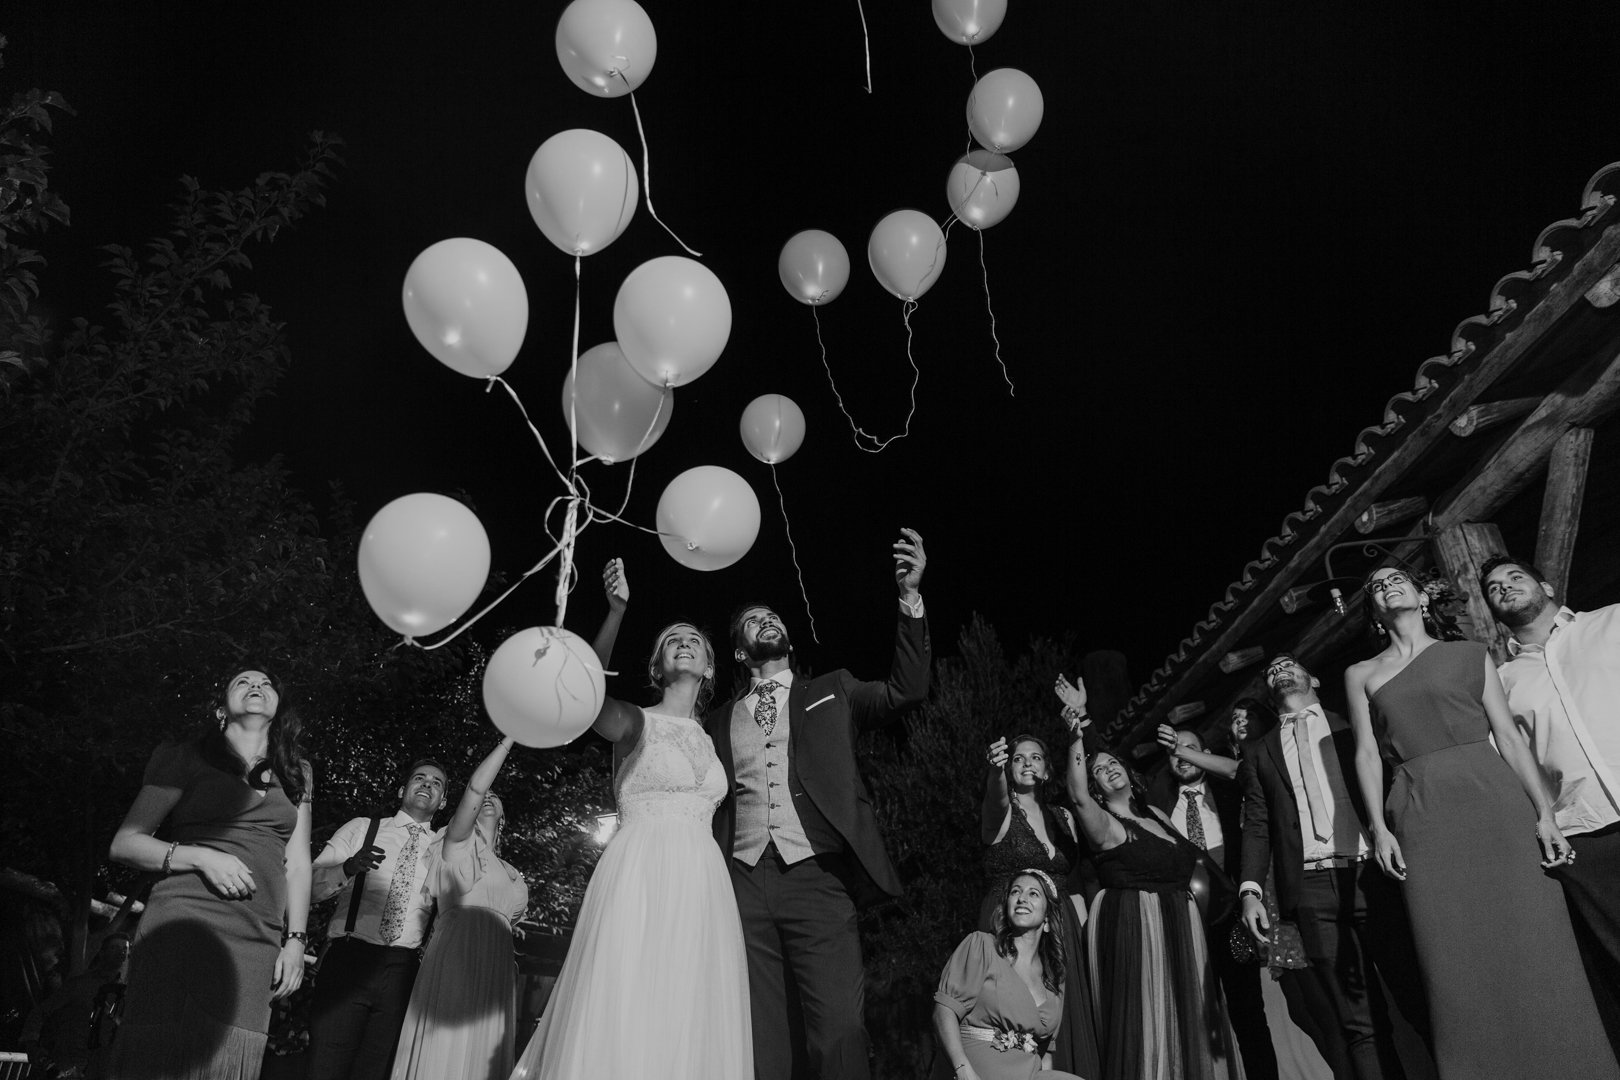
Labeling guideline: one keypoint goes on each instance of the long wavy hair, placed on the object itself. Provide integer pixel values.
(284, 757)
(1138, 801)
(705, 692)
(1046, 791)
(1050, 950)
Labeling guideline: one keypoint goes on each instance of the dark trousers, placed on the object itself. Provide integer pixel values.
(1592, 890)
(1354, 929)
(355, 1014)
(1245, 1006)
(800, 928)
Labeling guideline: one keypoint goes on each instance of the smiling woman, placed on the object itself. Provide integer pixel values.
(223, 932)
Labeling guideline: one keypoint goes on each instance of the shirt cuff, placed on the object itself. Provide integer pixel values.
(915, 610)
(1251, 886)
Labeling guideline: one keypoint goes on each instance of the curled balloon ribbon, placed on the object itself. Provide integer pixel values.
(984, 271)
(793, 549)
(646, 173)
(866, 38)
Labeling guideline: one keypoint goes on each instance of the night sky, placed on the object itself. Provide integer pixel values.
(1241, 228)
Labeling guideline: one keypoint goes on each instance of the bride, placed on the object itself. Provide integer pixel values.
(656, 981)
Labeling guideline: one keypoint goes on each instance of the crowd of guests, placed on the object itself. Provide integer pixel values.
(1430, 883)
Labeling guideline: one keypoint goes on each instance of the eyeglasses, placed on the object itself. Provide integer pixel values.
(1378, 586)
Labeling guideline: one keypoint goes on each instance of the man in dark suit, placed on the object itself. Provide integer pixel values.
(800, 834)
(1303, 820)
(1206, 807)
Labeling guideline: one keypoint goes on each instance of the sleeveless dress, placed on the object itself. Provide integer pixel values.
(1507, 994)
(200, 966)
(464, 1003)
(1160, 1013)
(656, 979)
(1019, 850)
(981, 987)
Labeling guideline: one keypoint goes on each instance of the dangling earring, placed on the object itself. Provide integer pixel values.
(1378, 626)
(221, 714)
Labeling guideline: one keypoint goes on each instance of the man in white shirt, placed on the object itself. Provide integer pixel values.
(1563, 687)
(1303, 822)
(375, 938)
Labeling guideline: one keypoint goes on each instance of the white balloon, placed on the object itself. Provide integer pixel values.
(424, 558)
(466, 304)
(544, 686)
(708, 518)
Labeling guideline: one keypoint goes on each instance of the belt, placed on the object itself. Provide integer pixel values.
(1337, 862)
(1014, 1039)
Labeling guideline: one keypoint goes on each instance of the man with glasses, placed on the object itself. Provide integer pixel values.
(1303, 822)
(1563, 688)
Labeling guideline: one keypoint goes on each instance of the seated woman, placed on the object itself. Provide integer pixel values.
(1000, 997)
(464, 1002)
(1019, 822)
(1159, 1010)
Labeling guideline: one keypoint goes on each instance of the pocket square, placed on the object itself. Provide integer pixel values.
(818, 701)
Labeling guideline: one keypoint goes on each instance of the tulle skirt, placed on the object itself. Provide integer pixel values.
(656, 979)
(463, 1005)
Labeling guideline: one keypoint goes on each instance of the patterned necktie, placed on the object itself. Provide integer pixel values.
(1315, 801)
(765, 707)
(399, 889)
(1195, 821)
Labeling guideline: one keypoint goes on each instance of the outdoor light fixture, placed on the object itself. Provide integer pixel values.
(1299, 596)
(605, 824)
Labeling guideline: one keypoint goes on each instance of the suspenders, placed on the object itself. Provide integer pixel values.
(359, 883)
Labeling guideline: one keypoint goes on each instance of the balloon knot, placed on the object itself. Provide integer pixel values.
(691, 546)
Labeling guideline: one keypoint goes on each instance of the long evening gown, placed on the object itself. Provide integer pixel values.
(981, 987)
(656, 979)
(200, 967)
(1507, 995)
(1161, 1015)
(464, 1002)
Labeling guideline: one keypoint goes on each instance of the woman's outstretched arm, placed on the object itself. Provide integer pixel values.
(483, 778)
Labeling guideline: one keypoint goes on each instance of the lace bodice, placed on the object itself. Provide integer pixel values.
(673, 772)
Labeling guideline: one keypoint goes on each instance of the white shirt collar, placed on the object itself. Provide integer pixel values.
(783, 678)
(1564, 617)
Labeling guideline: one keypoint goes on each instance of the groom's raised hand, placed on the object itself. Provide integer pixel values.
(909, 562)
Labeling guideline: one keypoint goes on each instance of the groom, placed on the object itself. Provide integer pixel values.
(798, 826)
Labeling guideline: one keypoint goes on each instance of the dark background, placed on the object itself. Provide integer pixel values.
(1242, 226)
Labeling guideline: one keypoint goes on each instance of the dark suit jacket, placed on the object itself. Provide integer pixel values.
(825, 714)
(1228, 798)
(1271, 836)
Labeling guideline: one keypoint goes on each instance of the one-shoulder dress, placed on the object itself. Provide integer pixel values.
(1508, 997)
(201, 966)
(1160, 1011)
(656, 979)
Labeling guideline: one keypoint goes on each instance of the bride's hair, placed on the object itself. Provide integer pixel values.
(655, 675)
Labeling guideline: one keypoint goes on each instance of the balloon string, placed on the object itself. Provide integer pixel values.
(630, 481)
(646, 173)
(973, 70)
(1011, 392)
(573, 381)
(916, 376)
(866, 37)
(496, 379)
(530, 572)
(788, 528)
(856, 431)
(565, 567)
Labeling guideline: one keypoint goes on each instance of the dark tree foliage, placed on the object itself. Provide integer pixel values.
(928, 788)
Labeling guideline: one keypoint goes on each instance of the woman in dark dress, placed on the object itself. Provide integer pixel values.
(1460, 827)
(223, 931)
(1019, 823)
(1160, 1012)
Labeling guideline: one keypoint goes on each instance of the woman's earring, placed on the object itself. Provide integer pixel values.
(220, 713)
(1378, 626)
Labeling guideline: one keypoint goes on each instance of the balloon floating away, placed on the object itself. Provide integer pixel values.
(466, 304)
(708, 518)
(772, 428)
(606, 47)
(543, 686)
(907, 253)
(982, 188)
(424, 558)
(813, 266)
(969, 22)
(582, 190)
(672, 318)
(1004, 110)
(618, 414)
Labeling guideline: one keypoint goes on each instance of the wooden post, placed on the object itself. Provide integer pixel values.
(1561, 506)
(1477, 418)
(1461, 550)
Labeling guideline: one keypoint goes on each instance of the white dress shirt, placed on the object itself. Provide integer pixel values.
(1565, 698)
(392, 836)
(1345, 837)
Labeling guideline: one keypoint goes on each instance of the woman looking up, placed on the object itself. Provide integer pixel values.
(1464, 826)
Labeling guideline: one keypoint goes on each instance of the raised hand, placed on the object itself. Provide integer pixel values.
(997, 755)
(1167, 738)
(616, 585)
(909, 562)
(1073, 696)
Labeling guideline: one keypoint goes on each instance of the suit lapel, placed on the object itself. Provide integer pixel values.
(1274, 747)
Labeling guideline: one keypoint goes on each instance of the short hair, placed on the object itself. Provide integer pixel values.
(410, 770)
(1496, 562)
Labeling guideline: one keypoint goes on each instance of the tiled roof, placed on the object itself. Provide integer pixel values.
(1556, 251)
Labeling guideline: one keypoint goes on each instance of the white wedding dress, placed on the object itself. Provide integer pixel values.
(656, 979)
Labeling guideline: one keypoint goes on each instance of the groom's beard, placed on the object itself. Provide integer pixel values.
(759, 651)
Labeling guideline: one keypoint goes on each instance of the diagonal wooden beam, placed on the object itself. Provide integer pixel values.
(1561, 506)
(1560, 300)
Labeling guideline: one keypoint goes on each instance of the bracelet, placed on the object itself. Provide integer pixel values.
(300, 936)
(1256, 893)
(167, 857)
